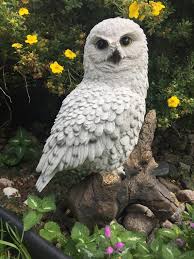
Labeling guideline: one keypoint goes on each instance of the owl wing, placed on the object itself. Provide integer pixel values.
(89, 121)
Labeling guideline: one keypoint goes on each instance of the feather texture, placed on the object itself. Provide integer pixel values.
(101, 119)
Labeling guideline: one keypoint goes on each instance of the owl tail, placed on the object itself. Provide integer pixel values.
(44, 180)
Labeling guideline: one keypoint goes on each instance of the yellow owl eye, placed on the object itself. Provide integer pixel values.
(101, 44)
(125, 41)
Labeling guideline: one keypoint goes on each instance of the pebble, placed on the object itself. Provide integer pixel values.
(5, 182)
(185, 196)
(11, 192)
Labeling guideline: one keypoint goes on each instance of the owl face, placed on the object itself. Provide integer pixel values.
(115, 44)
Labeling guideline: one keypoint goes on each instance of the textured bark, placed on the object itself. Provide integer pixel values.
(98, 199)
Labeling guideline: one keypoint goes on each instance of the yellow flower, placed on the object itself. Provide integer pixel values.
(173, 101)
(69, 54)
(23, 11)
(17, 45)
(56, 68)
(134, 10)
(31, 39)
(156, 7)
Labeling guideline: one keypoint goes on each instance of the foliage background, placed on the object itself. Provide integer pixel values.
(30, 92)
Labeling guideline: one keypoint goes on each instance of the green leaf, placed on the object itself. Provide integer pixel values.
(47, 204)
(79, 232)
(34, 202)
(167, 252)
(155, 245)
(187, 255)
(167, 233)
(131, 239)
(31, 219)
(127, 256)
(177, 230)
(142, 248)
(70, 249)
(51, 231)
(189, 208)
(88, 253)
(13, 155)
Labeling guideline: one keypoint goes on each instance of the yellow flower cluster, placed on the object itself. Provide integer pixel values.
(56, 68)
(30, 39)
(137, 9)
(173, 101)
(23, 11)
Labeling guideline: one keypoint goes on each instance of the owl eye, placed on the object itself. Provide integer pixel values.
(101, 44)
(125, 41)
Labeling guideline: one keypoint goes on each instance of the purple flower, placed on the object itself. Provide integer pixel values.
(119, 245)
(180, 242)
(109, 250)
(107, 231)
(192, 224)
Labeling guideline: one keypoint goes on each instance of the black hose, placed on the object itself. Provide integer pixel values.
(37, 246)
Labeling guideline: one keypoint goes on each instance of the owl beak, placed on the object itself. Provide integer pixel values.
(115, 57)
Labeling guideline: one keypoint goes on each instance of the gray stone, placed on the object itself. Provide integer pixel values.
(139, 218)
(177, 216)
(167, 224)
(185, 196)
(4, 182)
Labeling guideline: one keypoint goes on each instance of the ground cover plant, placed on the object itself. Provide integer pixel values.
(113, 241)
(11, 243)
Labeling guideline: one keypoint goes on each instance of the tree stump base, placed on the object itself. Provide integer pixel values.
(139, 201)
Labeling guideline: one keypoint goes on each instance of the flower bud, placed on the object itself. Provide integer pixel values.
(109, 250)
(107, 232)
(119, 245)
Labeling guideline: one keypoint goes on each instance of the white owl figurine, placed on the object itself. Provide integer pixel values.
(100, 120)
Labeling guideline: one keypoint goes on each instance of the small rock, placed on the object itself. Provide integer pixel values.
(185, 196)
(139, 218)
(167, 224)
(11, 192)
(4, 182)
(162, 169)
(177, 216)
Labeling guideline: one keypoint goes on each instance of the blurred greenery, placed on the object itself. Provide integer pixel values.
(22, 147)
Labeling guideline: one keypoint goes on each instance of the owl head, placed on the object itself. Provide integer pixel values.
(114, 45)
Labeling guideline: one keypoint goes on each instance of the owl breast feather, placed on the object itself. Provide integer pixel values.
(97, 123)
